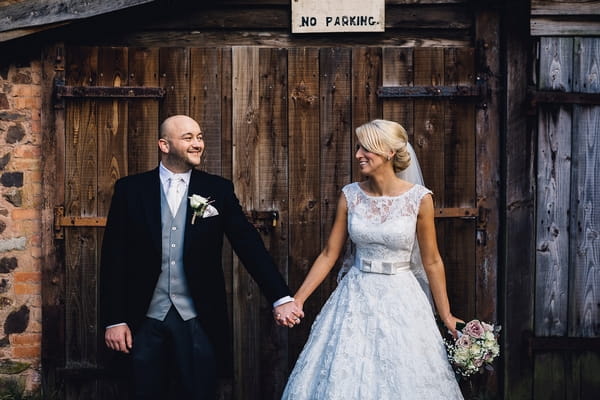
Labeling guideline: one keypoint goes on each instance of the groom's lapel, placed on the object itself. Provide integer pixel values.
(197, 186)
(151, 205)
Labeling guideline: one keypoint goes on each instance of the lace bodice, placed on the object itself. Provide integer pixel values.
(383, 228)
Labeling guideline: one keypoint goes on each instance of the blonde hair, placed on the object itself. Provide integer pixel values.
(381, 136)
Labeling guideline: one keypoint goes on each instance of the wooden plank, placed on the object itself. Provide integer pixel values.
(554, 187)
(113, 65)
(337, 154)
(398, 71)
(550, 381)
(112, 163)
(174, 70)
(552, 256)
(205, 107)
(246, 312)
(142, 152)
(366, 78)
(27, 13)
(304, 189)
(392, 37)
(52, 262)
(271, 187)
(556, 68)
(556, 26)
(585, 65)
(584, 288)
(459, 131)
(226, 386)
(487, 127)
(458, 236)
(518, 277)
(562, 7)
(429, 122)
(80, 199)
(266, 17)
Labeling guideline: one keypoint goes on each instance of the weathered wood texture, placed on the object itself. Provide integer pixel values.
(518, 264)
(28, 13)
(565, 18)
(568, 259)
(280, 123)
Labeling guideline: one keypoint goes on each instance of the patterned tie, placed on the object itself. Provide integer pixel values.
(175, 193)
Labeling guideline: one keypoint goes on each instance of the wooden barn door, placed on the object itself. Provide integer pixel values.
(279, 123)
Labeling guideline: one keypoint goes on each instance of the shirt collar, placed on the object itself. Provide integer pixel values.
(165, 174)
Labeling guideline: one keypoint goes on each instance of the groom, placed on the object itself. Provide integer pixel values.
(162, 289)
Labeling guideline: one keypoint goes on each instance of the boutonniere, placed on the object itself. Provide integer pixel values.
(199, 204)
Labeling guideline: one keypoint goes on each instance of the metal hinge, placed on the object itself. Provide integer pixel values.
(107, 92)
(61, 221)
(263, 221)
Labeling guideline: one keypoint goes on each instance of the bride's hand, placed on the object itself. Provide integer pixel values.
(450, 322)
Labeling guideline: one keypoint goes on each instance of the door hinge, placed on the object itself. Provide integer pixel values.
(61, 221)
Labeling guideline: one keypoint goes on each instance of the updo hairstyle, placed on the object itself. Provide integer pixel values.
(381, 136)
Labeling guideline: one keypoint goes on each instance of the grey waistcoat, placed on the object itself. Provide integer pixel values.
(172, 288)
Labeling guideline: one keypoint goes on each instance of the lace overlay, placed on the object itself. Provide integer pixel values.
(376, 337)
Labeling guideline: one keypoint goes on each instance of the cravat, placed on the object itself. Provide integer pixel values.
(175, 193)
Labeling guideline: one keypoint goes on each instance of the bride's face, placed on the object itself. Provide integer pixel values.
(369, 162)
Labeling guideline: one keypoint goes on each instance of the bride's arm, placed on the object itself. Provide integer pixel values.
(432, 262)
(328, 256)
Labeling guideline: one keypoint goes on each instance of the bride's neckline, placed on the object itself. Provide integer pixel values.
(384, 196)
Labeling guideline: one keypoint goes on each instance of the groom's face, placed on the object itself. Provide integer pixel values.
(183, 145)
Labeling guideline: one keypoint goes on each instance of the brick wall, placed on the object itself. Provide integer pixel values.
(20, 223)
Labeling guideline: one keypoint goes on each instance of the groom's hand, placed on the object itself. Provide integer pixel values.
(118, 338)
(288, 314)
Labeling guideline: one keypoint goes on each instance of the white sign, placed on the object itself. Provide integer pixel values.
(309, 16)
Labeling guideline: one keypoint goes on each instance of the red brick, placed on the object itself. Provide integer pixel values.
(27, 351)
(27, 288)
(27, 151)
(27, 103)
(26, 339)
(29, 277)
(25, 213)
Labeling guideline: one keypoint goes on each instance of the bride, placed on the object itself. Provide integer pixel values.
(376, 337)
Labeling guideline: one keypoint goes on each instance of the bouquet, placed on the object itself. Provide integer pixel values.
(475, 349)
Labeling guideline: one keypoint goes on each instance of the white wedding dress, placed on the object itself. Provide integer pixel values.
(376, 337)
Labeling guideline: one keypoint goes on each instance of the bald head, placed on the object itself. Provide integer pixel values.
(178, 124)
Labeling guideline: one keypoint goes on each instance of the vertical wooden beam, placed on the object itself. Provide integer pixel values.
(553, 192)
(584, 276)
(52, 260)
(205, 105)
(174, 77)
(304, 189)
(245, 161)
(272, 192)
(337, 155)
(143, 117)
(487, 127)
(366, 78)
(398, 71)
(429, 121)
(81, 186)
(457, 235)
(518, 186)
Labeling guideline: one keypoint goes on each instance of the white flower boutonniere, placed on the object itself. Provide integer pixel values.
(199, 204)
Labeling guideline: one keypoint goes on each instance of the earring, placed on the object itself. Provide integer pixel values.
(389, 158)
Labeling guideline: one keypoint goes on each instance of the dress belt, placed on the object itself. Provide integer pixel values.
(382, 267)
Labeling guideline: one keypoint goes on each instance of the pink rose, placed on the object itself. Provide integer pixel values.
(474, 329)
(464, 341)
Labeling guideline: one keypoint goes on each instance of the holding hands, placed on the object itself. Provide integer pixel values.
(288, 314)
